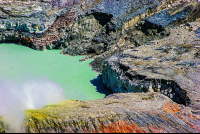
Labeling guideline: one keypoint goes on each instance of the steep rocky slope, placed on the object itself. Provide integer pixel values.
(148, 46)
(91, 28)
(123, 112)
(169, 66)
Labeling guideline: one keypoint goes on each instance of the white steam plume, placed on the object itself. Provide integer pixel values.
(15, 98)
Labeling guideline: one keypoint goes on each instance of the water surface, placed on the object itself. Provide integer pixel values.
(22, 64)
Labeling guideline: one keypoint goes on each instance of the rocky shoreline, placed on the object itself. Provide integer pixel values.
(151, 48)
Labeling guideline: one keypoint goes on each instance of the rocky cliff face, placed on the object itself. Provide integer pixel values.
(115, 113)
(169, 66)
(57, 24)
(148, 46)
(120, 112)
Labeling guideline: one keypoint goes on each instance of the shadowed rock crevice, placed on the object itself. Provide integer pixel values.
(120, 80)
(102, 18)
(100, 87)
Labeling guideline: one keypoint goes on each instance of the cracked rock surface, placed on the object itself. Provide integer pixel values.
(169, 65)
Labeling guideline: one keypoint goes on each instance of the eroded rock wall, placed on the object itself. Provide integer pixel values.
(169, 66)
(51, 24)
(119, 112)
(143, 52)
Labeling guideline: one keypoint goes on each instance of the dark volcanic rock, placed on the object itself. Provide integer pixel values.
(111, 15)
(197, 32)
(57, 24)
(163, 19)
(143, 27)
(123, 11)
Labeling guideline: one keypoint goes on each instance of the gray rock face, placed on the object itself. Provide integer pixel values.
(80, 36)
(123, 11)
(197, 32)
(50, 24)
(163, 19)
(143, 27)
(169, 66)
(28, 17)
(111, 15)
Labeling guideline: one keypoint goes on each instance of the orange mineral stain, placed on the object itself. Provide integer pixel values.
(121, 126)
(171, 108)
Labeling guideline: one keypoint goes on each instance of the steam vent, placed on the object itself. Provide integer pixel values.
(146, 54)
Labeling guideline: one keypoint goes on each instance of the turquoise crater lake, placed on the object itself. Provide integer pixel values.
(20, 64)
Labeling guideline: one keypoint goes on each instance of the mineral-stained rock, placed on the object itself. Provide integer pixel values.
(50, 24)
(28, 17)
(34, 19)
(119, 112)
(151, 47)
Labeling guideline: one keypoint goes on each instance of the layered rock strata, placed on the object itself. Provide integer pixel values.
(169, 66)
(120, 112)
(153, 24)
(58, 24)
(152, 47)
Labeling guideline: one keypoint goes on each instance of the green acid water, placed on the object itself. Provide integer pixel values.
(78, 81)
